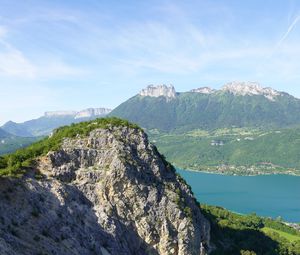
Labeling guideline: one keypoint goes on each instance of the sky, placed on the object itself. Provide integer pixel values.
(75, 54)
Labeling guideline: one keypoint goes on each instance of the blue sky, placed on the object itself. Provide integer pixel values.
(60, 55)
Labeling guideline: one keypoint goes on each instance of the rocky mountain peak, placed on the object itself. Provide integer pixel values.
(250, 88)
(204, 90)
(86, 113)
(90, 112)
(109, 192)
(59, 113)
(159, 90)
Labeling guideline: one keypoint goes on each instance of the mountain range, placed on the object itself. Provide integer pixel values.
(44, 125)
(18, 135)
(242, 128)
(237, 104)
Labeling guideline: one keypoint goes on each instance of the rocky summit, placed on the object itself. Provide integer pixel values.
(109, 192)
(250, 88)
(159, 90)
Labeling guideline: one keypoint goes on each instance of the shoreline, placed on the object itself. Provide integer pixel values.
(234, 174)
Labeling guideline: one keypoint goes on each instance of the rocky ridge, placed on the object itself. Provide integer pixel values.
(108, 193)
(159, 90)
(250, 88)
(86, 113)
(204, 90)
(236, 88)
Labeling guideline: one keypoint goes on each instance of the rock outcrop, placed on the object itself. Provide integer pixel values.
(235, 87)
(204, 90)
(250, 88)
(86, 113)
(109, 193)
(91, 112)
(159, 90)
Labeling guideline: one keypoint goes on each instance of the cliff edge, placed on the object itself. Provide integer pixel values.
(106, 192)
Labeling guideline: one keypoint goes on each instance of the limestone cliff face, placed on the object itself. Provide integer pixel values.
(86, 113)
(159, 90)
(109, 193)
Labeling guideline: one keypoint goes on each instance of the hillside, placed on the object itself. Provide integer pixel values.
(235, 234)
(15, 163)
(235, 105)
(245, 151)
(3, 134)
(97, 187)
(10, 143)
(100, 187)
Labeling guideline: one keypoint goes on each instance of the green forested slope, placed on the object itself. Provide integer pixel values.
(190, 111)
(10, 144)
(241, 151)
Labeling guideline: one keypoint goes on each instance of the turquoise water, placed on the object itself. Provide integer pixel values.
(266, 195)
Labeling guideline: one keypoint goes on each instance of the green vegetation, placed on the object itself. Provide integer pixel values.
(10, 144)
(233, 234)
(288, 236)
(233, 150)
(221, 132)
(16, 164)
(189, 111)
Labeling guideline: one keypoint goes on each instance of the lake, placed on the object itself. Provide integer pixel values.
(266, 195)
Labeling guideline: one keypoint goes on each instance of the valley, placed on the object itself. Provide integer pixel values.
(149, 127)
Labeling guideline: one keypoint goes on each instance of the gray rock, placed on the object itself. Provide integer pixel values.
(109, 193)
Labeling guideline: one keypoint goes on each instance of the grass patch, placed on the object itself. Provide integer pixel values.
(288, 236)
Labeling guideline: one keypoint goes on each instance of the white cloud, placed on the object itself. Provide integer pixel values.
(14, 63)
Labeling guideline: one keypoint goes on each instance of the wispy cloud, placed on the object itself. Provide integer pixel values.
(14, 63)
(289, 30)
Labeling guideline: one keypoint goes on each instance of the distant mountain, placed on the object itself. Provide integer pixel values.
(3, 134)
(16, 129)
(236, 104)
(51, 120)
(9, 142)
